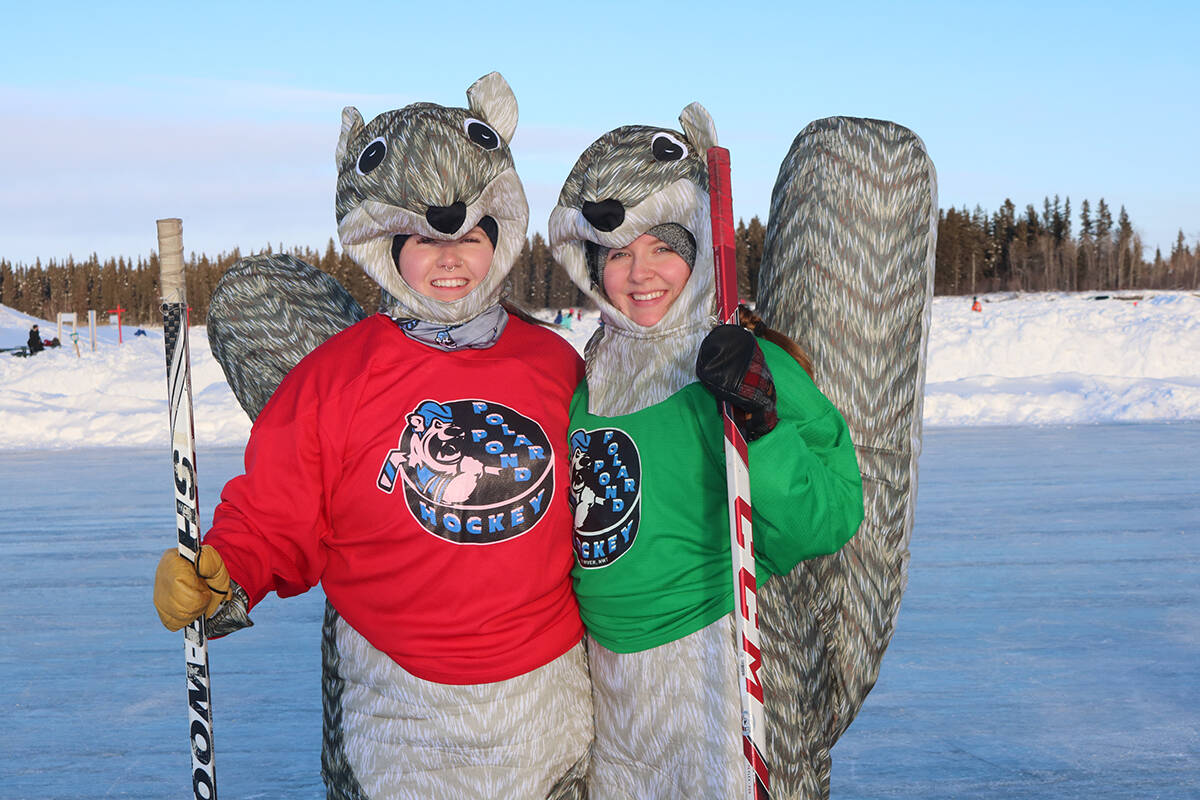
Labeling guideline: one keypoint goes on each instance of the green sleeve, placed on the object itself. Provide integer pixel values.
(805, 486)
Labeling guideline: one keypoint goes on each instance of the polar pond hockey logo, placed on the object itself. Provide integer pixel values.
(473, 472)
(606, 492)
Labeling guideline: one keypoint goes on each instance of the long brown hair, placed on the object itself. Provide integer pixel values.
(753, 323)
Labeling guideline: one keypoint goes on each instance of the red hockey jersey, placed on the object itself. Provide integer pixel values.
(425, 490)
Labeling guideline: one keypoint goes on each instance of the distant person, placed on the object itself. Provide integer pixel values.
(139, 332)
(35, 341)
(976, 305)
(558, 318)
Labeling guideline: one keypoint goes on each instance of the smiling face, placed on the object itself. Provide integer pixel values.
(644, 278)
(445, 269)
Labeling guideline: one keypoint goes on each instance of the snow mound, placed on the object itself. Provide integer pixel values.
(1036, 359)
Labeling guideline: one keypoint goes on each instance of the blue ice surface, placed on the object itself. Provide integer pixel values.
(1048, 645)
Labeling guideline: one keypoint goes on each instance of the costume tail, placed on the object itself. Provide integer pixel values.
(847, 271)
(267, 313)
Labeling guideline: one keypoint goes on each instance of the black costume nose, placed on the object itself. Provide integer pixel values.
(607, 215)
(447, 219)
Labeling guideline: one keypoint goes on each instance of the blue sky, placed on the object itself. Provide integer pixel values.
(227, 115)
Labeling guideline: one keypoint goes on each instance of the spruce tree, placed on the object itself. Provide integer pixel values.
(561, 287)
(1124, 254)
(540, 265)
(1083, 256)
(756, 236)
(516, 286)
(743, 274)
(8, 285)
(1104, 224)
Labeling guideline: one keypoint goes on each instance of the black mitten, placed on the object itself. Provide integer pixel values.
(730, 364)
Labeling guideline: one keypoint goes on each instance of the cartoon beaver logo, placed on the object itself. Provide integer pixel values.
(473, 472)
(605, 497)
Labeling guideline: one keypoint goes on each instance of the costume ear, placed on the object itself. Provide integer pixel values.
(490, 98)
(698, 126)
(352, 123)
(417, 422)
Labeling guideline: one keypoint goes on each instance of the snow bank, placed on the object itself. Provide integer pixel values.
(1037, 359)
(1064, 359)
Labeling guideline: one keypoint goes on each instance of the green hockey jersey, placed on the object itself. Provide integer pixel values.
(648, 494)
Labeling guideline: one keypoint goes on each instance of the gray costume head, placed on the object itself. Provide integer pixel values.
(633, 180)
(433, 171)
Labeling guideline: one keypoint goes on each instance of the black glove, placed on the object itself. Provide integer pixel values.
(731, 366)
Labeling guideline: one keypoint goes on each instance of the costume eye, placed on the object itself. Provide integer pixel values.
(667, 148)
(481, 134)
(372, 156)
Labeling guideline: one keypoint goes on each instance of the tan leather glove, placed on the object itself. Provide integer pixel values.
(183, 591)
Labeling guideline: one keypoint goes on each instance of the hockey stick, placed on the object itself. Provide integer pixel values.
(187, 507)
(737, 472)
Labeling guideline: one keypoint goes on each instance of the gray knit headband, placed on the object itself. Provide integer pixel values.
(675, 236)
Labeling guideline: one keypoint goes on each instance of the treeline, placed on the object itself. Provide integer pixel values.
(43, 290)
(535, 281)
(977, 252)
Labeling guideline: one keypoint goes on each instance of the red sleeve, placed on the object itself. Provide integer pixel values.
(272, 521)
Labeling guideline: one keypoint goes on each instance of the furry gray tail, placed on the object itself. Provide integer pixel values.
(573, 784)
(847, 271)
(340, 782)
(267, 313)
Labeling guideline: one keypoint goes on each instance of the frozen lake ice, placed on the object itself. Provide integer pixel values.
(1048, 645)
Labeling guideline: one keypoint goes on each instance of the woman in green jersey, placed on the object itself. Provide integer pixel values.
(652, 546)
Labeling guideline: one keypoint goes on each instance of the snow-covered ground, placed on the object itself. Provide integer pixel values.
(1040, 359)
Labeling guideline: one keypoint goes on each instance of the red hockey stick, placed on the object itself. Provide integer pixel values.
(737, 471)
